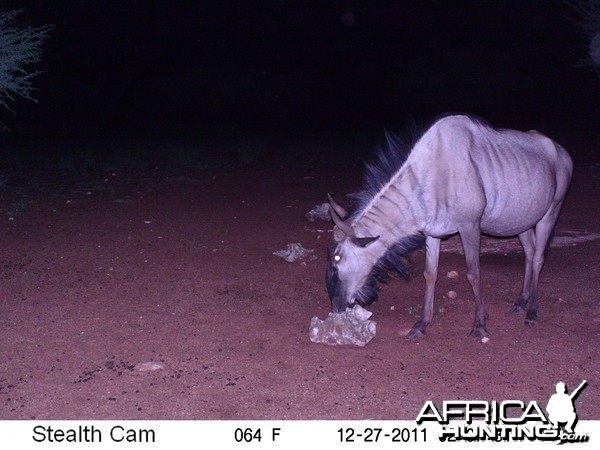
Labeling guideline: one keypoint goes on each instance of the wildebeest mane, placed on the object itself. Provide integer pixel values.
(396, 256)
(391, 156)
(395, 259)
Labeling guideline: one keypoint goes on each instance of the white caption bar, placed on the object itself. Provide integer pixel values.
(194, 435)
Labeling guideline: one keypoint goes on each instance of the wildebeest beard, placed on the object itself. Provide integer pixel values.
(395, 259)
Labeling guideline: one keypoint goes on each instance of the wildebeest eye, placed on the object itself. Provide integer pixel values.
(337, 258)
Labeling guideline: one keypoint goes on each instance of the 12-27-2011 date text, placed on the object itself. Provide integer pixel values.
(412, 435)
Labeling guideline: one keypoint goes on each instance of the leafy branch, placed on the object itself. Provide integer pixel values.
(19, 48)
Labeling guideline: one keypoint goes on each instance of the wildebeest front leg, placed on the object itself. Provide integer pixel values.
(527, 239)
(432, 255)
(471, 237)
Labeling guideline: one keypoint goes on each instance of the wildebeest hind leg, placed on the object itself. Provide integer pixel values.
(471, 237)
(543, 231)
(527, 239)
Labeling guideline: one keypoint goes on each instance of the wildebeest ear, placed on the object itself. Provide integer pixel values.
(338, 235)
(363, 241)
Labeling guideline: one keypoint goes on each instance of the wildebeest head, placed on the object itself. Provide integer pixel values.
(351, 277)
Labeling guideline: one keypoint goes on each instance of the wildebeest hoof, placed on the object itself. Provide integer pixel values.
(478, 332)
(415, 333)
(520, 305)
(530, 323)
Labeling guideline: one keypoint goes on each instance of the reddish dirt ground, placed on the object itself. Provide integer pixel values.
(102, 273)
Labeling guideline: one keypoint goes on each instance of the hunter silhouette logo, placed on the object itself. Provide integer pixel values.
(509, 420)
(561, 406)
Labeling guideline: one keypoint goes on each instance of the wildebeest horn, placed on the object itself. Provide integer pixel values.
(342, 226)
(337, 208)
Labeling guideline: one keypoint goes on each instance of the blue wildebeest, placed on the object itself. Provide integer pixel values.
(461, 176)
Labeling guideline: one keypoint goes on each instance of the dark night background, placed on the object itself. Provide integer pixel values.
(256, 73)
